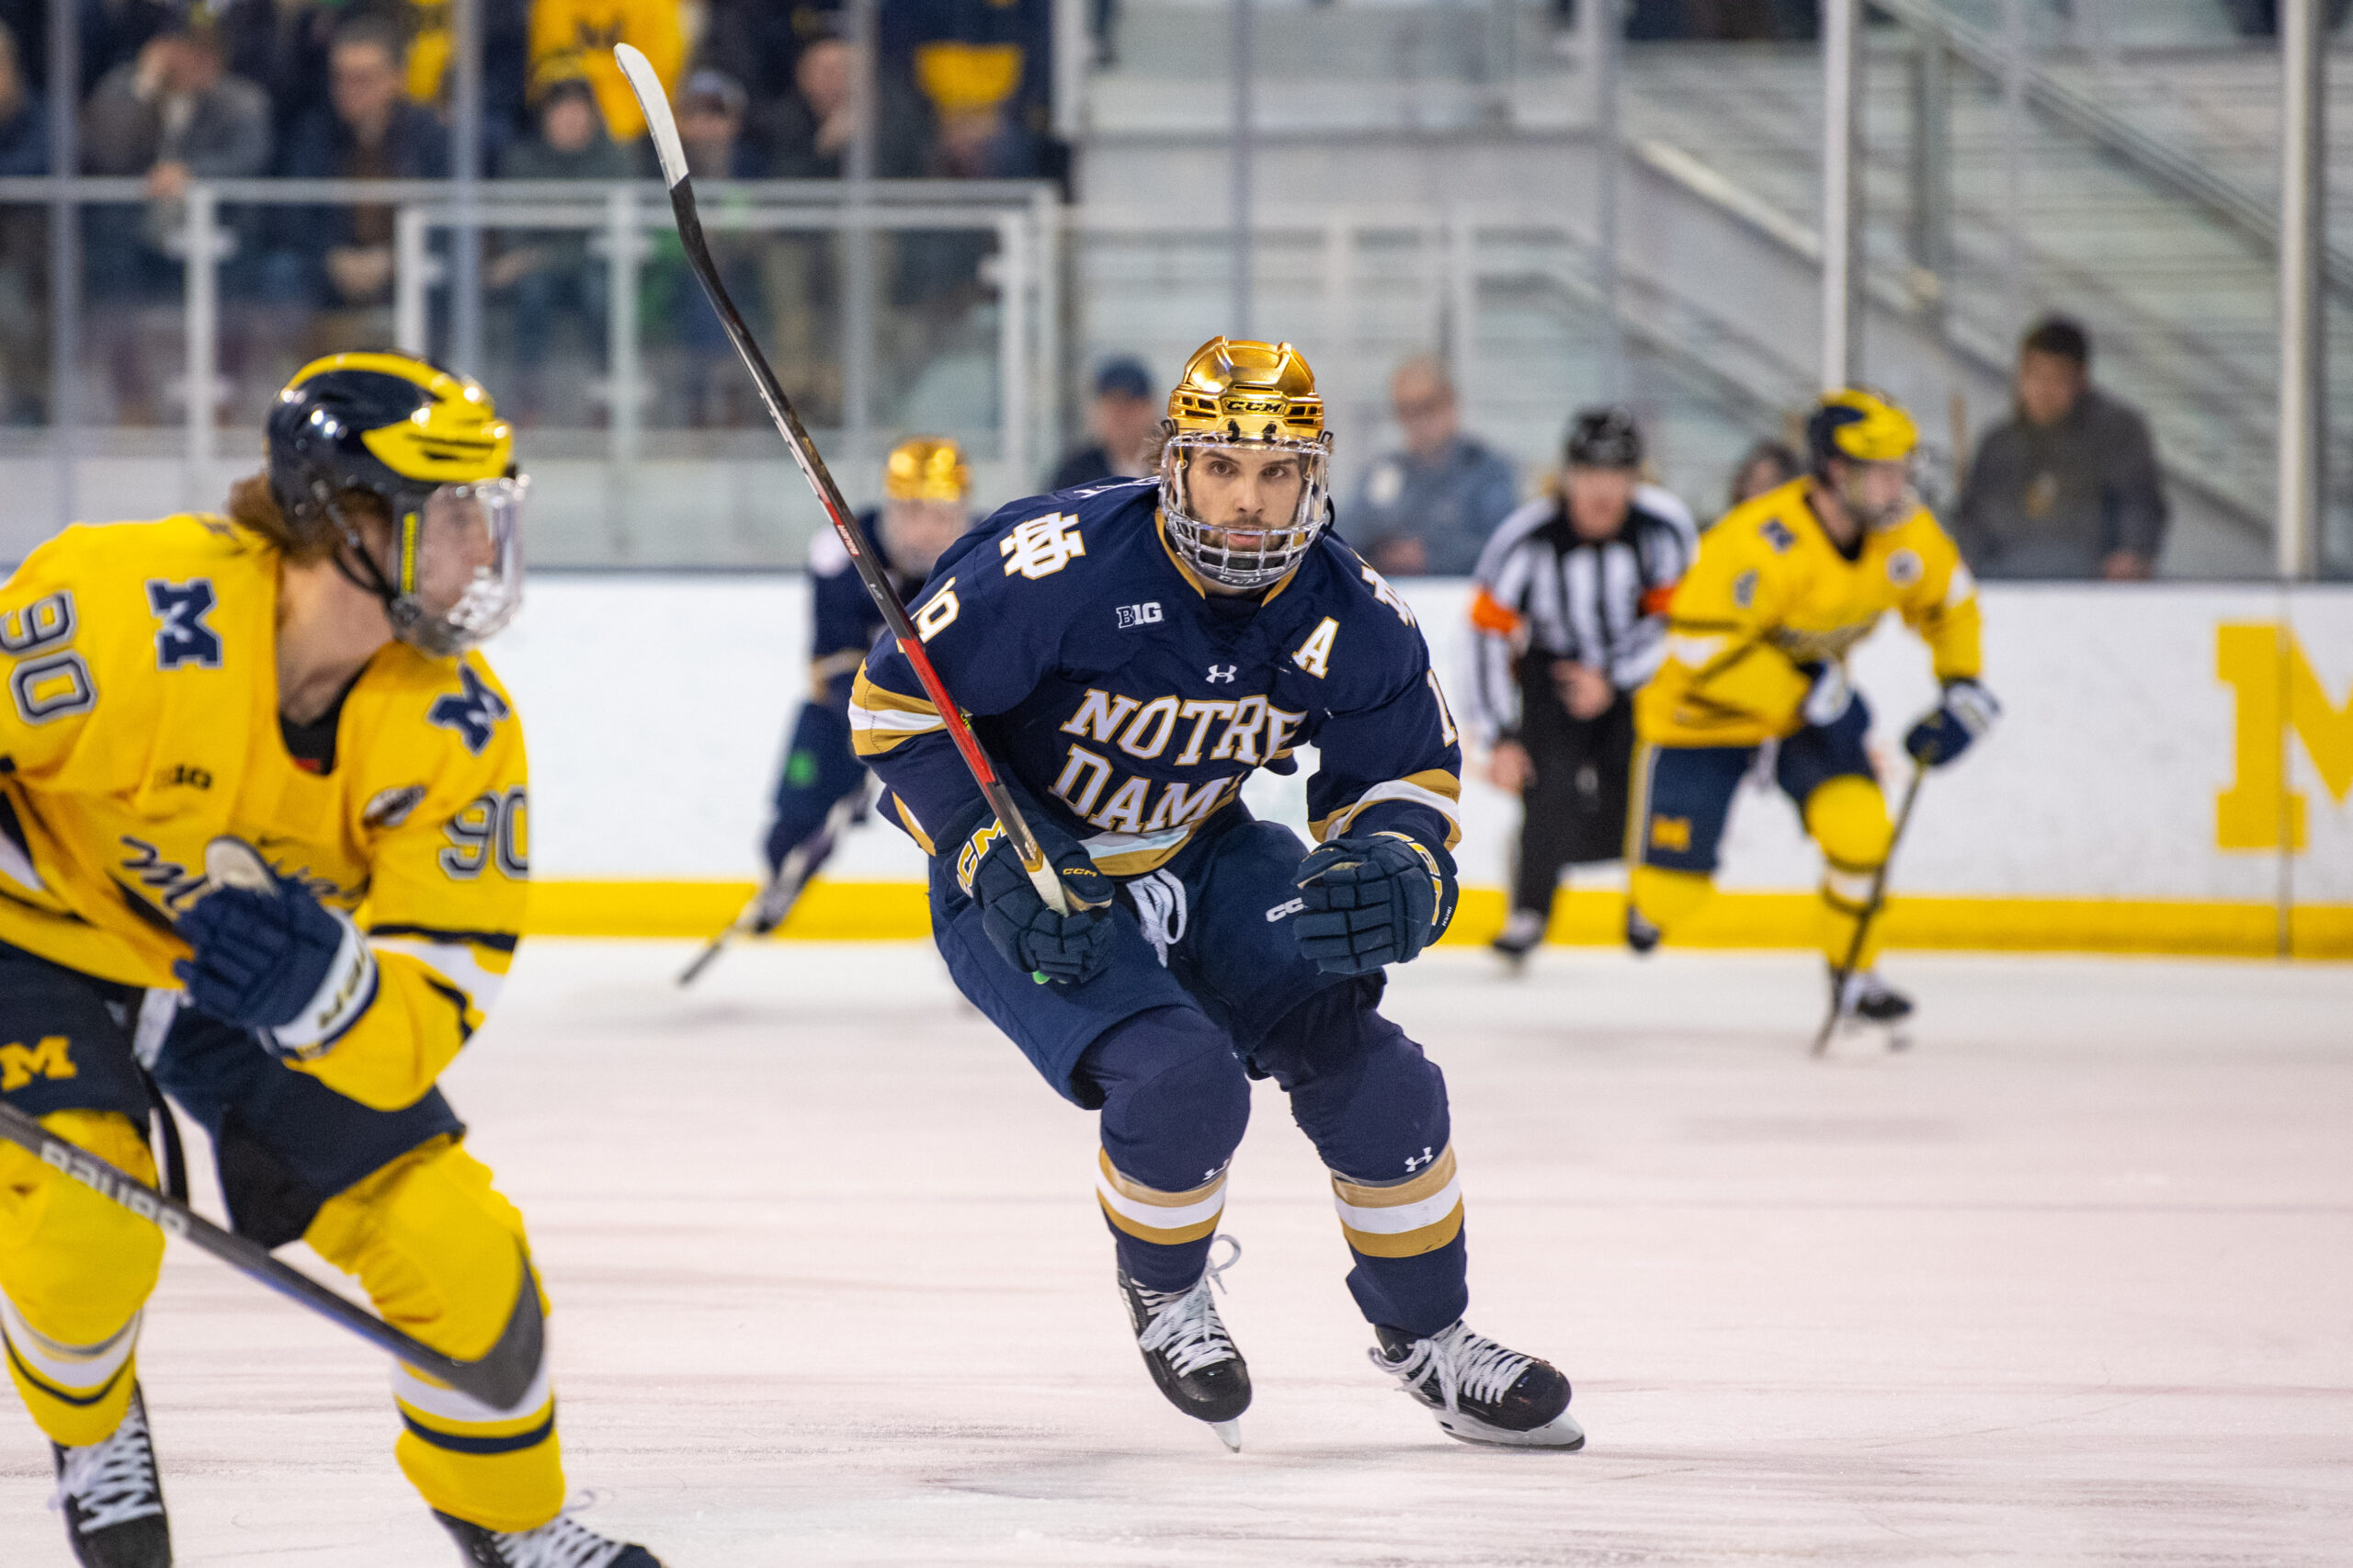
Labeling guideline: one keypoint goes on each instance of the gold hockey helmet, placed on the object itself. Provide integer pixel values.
(1246, 394)
(927, 468)
(430, 447)
(1860, 424)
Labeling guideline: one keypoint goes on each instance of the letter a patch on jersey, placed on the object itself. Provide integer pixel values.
(1314, 655)
(474, 712)
(181, 635)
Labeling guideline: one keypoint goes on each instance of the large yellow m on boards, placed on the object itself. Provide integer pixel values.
(2278, 693)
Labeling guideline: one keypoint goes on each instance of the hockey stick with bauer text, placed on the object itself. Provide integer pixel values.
(1870, 912)
(768, 906)
(664, 130)
(501, 1376)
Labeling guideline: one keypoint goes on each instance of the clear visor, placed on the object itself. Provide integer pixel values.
(465, 581)
(1881, 493)
(1242, 550)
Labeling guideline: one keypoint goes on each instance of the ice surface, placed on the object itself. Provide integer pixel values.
(2072, 1282)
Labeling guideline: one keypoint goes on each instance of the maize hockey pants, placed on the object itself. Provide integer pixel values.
(389, 1197)
(1205, 991)
(1683, 797)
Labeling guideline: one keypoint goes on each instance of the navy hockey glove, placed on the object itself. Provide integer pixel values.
(1373, 902)
(271, 956)
(1068, 949)
(1967, 712)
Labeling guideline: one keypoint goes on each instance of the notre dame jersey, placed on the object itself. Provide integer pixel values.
(1770, 594)
(142, 721)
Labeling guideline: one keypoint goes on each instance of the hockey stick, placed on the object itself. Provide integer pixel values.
(768, 906)
(664, 130)
(501, 1376)
(1870, 909)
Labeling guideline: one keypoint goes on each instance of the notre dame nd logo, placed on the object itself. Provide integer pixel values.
(20, 1065)
(2280, 699)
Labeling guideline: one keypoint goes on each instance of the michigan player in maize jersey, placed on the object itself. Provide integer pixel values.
(1758, 632)
(823, 784)
(1130, 653)
(290, 688)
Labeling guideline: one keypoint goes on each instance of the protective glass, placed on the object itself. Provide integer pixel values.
(464, 578)
(1210, 550)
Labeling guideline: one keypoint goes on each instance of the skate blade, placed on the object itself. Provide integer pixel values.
(1562, 1433)
(1229, 1433)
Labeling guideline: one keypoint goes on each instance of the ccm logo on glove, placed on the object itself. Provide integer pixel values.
(1373, 902)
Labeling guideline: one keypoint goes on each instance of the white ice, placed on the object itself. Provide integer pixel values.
(2070, 1282)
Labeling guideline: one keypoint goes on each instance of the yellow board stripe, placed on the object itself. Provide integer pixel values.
(856, 911)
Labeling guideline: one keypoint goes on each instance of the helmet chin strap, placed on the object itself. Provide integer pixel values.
(353, 544)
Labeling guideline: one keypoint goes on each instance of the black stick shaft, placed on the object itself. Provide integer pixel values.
(664, 128)
(1870, 912)
(249, 1258)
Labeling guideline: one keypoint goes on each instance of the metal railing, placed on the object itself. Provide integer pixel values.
(1017, 281)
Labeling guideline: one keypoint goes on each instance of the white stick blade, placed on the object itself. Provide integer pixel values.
(656, 104)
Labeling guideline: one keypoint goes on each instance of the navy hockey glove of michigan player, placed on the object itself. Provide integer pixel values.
(1967, 712)
(1068, 949)
(277, 961)
(1371, 902)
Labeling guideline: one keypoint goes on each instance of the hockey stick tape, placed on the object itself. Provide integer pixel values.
(232, 863)
(656, 105)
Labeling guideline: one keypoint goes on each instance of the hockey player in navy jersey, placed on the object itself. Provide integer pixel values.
(1130, 652)
(821, 786)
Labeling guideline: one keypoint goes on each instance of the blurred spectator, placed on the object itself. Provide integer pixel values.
(342, 257)
(505, 65)
(2261, 18)
(585, 33)
(810, 130)
(965, 55)
(758, 42)
(1723, 20)
(24, 245)
(1124, 418)
(24, 115)
(1429, 508)
(1768, 465)
(551, 275)
(280, 46)
(173, 113)
(2069, 487)
(711, 128)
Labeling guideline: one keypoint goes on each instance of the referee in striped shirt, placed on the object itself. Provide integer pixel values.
(1569, 622)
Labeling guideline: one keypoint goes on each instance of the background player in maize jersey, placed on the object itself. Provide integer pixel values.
(821, 783)
(1758, 638)
(298, 676)
(1130, 653)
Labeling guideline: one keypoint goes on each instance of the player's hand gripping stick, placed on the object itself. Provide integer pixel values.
(664, 128)
(1371, 902)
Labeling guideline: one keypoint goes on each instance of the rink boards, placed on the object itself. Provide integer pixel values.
(2173, 772)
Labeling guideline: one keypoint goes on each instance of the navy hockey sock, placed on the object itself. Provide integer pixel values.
(1175, 1103)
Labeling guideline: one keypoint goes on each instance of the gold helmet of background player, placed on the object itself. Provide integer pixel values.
(428, 446)
(1246, 394)
(927, 468)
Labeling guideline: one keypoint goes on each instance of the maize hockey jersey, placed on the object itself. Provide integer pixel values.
(142, 721)
(1770, 593)
(1132, 703)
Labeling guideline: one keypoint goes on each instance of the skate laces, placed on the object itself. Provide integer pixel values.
(1466, 1365)
(1185, 1328)
(114, 1482)
(563, 1542)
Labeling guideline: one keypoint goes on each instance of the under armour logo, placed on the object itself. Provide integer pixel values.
(1414, 1164)
(473, 712)
(1224, 672)
(182, 637)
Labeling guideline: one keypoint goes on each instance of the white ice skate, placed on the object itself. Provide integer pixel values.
(1870, 1001)
(1480, 1391)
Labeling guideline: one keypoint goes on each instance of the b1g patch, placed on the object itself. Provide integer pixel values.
(1744, 590)
(1905, 567)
